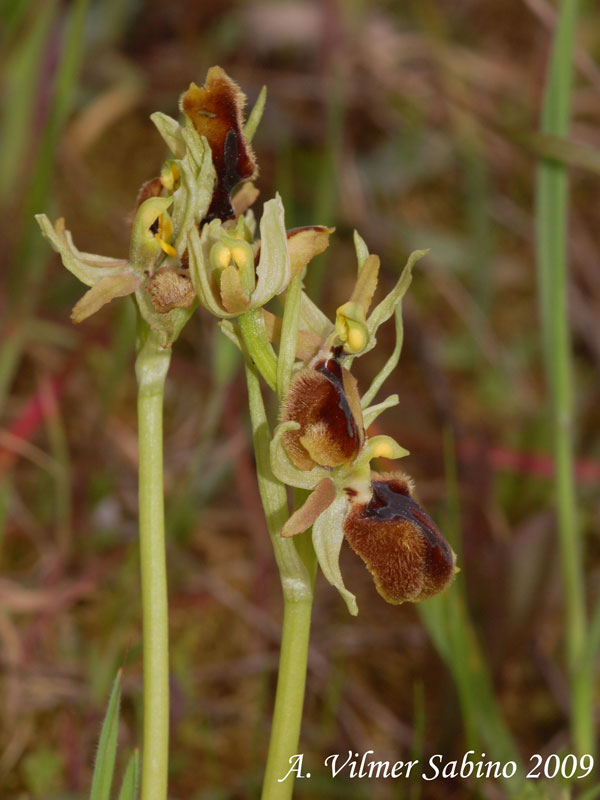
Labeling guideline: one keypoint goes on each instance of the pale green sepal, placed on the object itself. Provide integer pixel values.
(107, 746)
(255, 115)
(313, 319)
(130, 779)
(145, 248)
(386, 308)
(88, 267)
(285, 470)
(273, 271)
(170, 130)
(198, 266)
(327, 536)
(362, 251)
(370, 414)
(286, 356)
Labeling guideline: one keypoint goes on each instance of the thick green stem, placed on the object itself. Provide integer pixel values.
(296, 570)
(289, 700)
(151, 368)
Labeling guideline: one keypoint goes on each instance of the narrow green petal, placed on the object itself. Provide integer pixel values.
(255, 115)
(327, 536)
(370, 414)
(386, 308)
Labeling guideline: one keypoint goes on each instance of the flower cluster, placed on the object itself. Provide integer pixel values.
(194, 241)
(321, 445)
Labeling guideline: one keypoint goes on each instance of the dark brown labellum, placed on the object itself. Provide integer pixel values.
(399, 542)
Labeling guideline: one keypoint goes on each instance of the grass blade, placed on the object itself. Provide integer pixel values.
(130, 779)
(552, 262)
(107, 746)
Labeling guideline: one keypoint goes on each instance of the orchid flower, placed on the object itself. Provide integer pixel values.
(321, 445)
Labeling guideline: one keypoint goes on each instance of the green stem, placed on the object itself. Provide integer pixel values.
(289, 700)
(552, 215)
(151, 369)
(297, 573)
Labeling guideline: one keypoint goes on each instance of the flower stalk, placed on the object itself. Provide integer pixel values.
(151, 368)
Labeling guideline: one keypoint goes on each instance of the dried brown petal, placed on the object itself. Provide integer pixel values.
(170, 288)
(216, 113)
(400, 544)
(326, 404)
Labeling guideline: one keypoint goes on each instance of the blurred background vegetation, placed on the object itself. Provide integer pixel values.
(413, 122)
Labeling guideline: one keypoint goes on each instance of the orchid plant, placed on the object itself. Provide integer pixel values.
(194, 242)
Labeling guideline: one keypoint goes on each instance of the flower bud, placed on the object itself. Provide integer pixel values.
(324, 401)
(400, 544)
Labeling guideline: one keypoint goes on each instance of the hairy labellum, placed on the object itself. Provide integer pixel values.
(325, 402)
(216, 113)
(170, 288)
(400, 544)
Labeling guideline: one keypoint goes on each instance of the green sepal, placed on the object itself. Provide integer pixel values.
(89, 268)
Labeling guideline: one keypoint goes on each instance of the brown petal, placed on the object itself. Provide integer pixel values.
(216, 113)
(306, 243)
(232, 294)
(366, 283)
(316, 503)
(326, 404)
(400, 544)
(103, 292)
